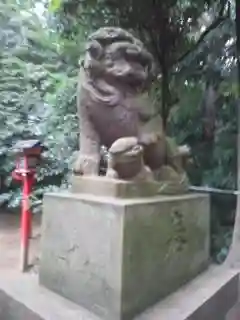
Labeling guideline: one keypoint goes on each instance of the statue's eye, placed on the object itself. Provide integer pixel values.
(137, 148)
(132, 52)
(95, 50)
(109, 61)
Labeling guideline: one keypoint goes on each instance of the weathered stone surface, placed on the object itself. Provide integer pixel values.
(105, 187)
(116, 257)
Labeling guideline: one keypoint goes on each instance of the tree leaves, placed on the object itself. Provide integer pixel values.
(54, 5)
(37, 98)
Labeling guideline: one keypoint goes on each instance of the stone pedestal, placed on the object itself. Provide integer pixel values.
(117, 256)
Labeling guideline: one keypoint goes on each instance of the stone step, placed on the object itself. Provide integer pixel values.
(234, 313)
(21, 293)
(208, 297)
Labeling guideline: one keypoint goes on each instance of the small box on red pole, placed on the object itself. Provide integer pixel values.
(28, 153)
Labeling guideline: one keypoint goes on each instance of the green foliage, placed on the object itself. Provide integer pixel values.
(18, 95)
(214, 160)
(37, 94)
(223, 208)
(213, 64)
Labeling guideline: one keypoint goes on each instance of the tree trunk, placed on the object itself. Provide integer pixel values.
(165, 95)
(233, 258)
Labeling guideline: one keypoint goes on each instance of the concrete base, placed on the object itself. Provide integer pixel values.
(208, 297)
(117, 257)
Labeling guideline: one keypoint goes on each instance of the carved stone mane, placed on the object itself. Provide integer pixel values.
(116, 64)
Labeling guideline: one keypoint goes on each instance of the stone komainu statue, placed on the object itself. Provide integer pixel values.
(116, 70)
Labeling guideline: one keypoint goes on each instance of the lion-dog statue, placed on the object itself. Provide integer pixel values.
(116, 70)
(126, 161)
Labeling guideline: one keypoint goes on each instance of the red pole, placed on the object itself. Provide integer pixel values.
(26, 220)
(30, 179)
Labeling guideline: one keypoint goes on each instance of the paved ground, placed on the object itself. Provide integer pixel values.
(9, 248)
(9, 241)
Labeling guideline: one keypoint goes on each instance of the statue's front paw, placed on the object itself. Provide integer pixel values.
(148, 173)
(86, 165)
(78, 168)
(112, 174)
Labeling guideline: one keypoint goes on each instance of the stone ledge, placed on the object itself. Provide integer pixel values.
(105, 187)
(46, 305)
(101, 186)
(123, 201)
(208, 297)
(205, 298)
(10, 309)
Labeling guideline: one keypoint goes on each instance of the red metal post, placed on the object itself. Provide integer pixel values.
(30, 179)
(28, 154)
(26, 219)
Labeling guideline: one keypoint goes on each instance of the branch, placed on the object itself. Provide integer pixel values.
(217, 22)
